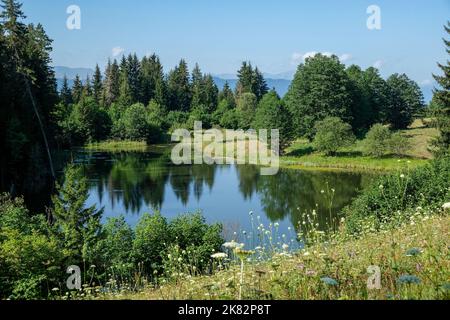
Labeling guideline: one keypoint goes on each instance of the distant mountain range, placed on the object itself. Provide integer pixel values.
(280, 82)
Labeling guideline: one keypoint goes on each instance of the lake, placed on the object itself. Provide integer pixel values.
(133, 183)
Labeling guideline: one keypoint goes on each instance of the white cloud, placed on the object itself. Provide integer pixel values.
(345, 57)
(378, 64)
(117, 51)
(426, 82)
(298, 57)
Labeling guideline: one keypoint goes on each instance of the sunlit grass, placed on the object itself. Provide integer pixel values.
(413, 261)
(118, 146)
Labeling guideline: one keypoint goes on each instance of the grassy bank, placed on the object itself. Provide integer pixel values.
(118, 146)
(413, 261)
(302, 155)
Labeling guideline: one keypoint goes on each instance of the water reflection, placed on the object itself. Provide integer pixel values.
(133, 183)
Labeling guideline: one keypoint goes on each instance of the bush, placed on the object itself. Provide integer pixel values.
(377, 140)
(151, 240)
(332, 134)
(398, 144)
(426, 187)
(230, 120)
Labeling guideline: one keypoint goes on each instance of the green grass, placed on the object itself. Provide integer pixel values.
(336, 269)
(301, 154)
(118, 146)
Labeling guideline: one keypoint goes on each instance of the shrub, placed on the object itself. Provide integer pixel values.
(427, 187)
(150, 242)
(398, 144)
(230, 119)
(377, 140)
(332, 134)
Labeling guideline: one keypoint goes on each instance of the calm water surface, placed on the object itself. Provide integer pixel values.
(131, 184)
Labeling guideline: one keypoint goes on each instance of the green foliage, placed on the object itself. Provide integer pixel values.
(377, 140)
(320, 89)
(332, 134)
(405, 101)
(246, 109)
(272, 114)
(152, 238)
(76, 226)
(250, 81)
(393, 197)
(398, 144)
(380, 141)
(194, 235)
(199, 113)
(135, 123)
(441, 99)
(230, 119)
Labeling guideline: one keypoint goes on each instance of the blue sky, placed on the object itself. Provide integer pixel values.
(274, 35)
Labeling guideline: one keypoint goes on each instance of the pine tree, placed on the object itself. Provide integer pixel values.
(179, 88)
(245, 82)
(77, 89)
(134, 78)
(442, 101)
(111, 85)
(87, 88)
(65, 94)
(125, 96)
(97, 85)
(76, 225)
(152, 78)
(259, 86)
(228, 95)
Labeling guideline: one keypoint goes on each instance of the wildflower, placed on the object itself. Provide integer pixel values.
(219, 255)
(311, 273)
(413, 252)
(402, 176)
(285, 247)
(55, 289)
(329, 281)
(408, 279)
(242, 253)
(446, 206)
(306, 254)
(322, 191)
(276, 225)
(381, 187)
(333, 190)
(230, 245)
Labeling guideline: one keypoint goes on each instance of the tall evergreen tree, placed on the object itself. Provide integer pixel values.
(153, 83)
(179, 88)
(28, 93)
(111, 85)
(442, 101)
(228, 95)
(260, 86)
(97, 85)
(77, 89)
(87, 88)
(65, 94)
(125, 95)
(134, 78)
